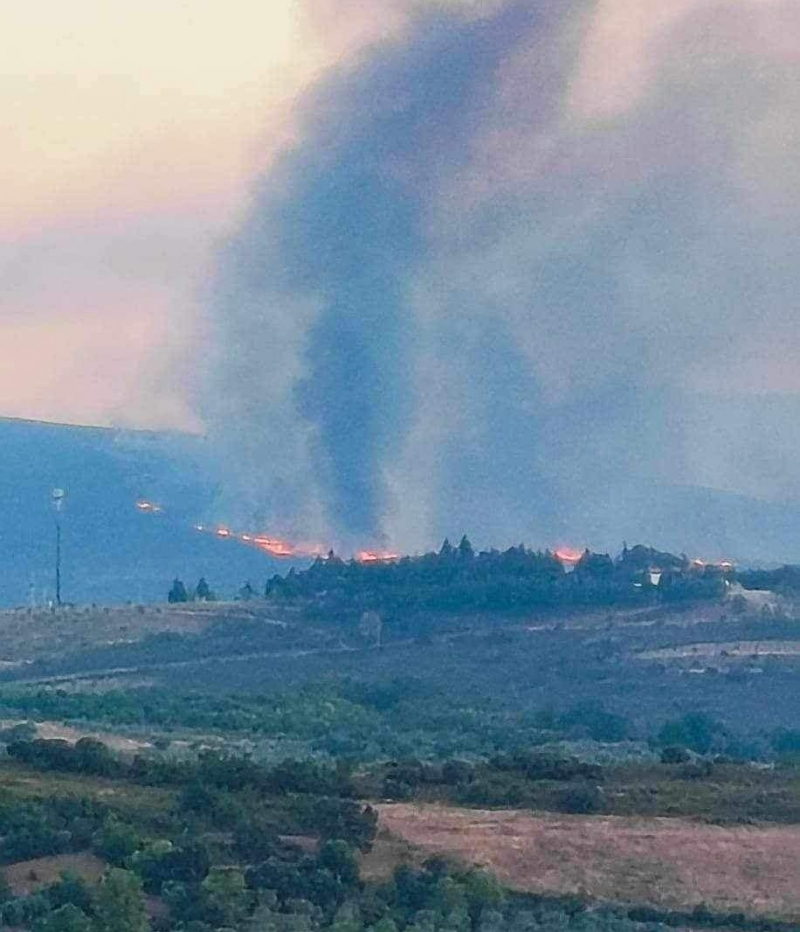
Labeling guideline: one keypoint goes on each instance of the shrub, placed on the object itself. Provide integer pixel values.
(581, 800)
(675, 754)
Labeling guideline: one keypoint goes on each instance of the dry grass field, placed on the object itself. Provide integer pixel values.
(27, 877)
(29, 634)
(669, 863)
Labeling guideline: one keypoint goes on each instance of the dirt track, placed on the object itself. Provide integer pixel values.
(670, 863)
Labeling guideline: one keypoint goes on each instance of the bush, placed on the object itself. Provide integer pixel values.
(116, 841)
(581, 800)
(675, 754)
(695, 731)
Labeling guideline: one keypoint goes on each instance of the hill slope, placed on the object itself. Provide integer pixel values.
(111, 552)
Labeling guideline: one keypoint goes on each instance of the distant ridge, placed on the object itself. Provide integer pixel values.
(112, 553)
(104, 428)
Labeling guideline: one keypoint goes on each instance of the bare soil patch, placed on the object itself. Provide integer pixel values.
(28, 876)
(669, 863)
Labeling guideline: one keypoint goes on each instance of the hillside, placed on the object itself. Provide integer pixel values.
(603, 767)
(111, 552)
(440, 683)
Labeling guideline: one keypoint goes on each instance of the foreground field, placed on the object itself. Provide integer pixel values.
(668, 863)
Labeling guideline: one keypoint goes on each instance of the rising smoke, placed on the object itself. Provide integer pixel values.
(526, 268)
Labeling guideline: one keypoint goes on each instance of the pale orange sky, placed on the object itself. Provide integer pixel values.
(131, 133)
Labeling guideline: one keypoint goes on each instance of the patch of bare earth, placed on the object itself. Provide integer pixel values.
(669, 863)
(28, 876)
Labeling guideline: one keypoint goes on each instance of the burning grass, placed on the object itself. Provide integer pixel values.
(671, 864)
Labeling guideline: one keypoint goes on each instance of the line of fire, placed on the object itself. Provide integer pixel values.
(569, 557)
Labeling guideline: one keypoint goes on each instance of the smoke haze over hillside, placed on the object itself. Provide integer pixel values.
(524, 264)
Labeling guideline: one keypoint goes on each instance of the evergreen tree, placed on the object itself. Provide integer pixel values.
(225, 896)
(178, 592)
(66, 918)
(120, 905)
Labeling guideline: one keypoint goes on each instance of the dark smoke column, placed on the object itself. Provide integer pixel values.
(314, 332)
(348, 237)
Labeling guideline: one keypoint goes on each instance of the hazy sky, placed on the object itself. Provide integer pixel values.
(130, 134)
(130, 137)
(444, 255)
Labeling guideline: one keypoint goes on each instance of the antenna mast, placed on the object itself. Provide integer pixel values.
(57, 498)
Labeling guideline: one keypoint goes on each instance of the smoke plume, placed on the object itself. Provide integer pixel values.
(524, 265)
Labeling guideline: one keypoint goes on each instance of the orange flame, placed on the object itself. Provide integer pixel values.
(569, 555)
(723, 565)
(274, 546)
(376, 556)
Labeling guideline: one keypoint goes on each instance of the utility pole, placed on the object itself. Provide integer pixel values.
(57, 498)
(58, 560)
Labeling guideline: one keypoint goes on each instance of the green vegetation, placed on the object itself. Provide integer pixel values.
(784, 580)
(491, 680)
(712, 790)
(456, 579)
(223, 854)
(366, 720)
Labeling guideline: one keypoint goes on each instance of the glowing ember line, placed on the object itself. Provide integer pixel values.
(376, 556)
(724, 565)
(274, 546)
(278, 547)
(569, 555)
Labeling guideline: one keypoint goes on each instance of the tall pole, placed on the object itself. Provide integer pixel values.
(58, 559)
(57, 498)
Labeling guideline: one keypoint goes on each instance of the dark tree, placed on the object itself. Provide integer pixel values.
(178, 592)
(465, 550)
